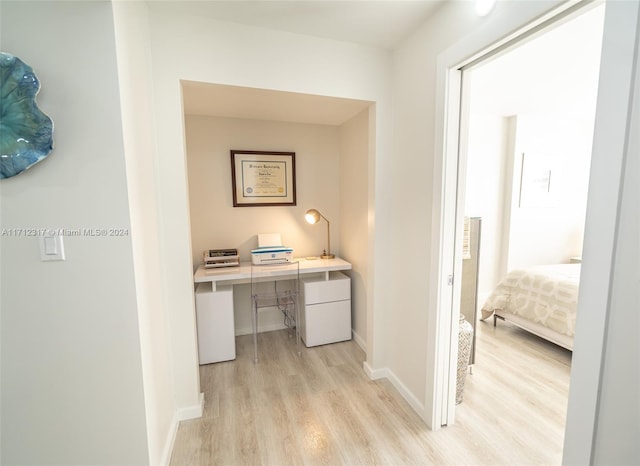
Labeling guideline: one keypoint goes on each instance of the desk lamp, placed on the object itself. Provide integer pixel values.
(312, 216)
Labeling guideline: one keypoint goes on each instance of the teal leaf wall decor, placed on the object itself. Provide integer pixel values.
(26, 133)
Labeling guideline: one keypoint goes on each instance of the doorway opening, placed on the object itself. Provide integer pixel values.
(496, 186)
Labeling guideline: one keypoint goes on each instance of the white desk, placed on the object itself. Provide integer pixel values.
(326, 308)
(242, 273)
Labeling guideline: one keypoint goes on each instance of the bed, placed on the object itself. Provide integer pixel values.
(541, 300)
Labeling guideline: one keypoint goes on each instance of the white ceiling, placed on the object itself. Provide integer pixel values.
(561, 58)
(556, 72)
(378, 23)
(208, 99)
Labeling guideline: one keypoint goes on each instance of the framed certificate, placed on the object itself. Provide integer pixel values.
(261, 178)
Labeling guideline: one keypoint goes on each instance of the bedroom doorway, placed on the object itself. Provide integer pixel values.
(548, 97)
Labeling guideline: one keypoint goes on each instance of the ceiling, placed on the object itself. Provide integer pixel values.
(206, 99)
(520, 76)
(555, 72)
(378, 23)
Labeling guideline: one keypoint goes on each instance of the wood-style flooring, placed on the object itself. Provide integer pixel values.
(321, 408)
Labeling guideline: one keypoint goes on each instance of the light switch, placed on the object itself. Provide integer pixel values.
(51, 248)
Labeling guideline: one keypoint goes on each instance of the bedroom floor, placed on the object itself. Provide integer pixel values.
(322, 408)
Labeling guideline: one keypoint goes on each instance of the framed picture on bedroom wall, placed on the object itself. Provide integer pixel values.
(262, 178)
(538, 179)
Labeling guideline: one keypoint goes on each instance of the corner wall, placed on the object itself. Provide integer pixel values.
(72, 385)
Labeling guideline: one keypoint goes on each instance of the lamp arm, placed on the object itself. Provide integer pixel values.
(328, 233)
(328, 238)
(314, 217)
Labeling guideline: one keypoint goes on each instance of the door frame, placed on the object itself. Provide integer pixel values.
(449, 194)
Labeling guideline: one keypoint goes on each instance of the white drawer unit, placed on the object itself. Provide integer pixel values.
(326, 312)
(216, 332)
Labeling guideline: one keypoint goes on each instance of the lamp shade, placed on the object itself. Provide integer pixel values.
(312, 216)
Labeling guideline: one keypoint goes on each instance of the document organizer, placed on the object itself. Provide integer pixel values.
(221, 258)
(276, 286)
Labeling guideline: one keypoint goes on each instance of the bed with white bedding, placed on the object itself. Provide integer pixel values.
(541, 300)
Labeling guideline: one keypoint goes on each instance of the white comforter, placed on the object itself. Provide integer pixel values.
(547, 295)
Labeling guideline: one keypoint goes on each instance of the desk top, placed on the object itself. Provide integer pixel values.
(243, 271)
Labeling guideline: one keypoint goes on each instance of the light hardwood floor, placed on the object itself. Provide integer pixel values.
(322, 409)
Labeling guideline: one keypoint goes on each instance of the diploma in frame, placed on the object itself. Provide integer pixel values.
(261, 178)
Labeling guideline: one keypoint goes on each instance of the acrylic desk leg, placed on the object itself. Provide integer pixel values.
(297, 325)
(254, 324)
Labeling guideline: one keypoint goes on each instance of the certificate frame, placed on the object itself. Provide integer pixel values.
(263, 178)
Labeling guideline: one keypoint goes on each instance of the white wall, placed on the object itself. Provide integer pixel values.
(134, 67)
(548, 231)
(72, 385)
(354, 234)
(199, 49)
(515, 235)
(215, 223)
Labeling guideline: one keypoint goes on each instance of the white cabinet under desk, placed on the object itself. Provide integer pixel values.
(214, 319)
(325, 289)
(326, 309)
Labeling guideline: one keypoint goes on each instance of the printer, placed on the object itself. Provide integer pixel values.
(270, 250)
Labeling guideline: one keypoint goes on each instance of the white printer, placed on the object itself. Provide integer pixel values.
(270, 250)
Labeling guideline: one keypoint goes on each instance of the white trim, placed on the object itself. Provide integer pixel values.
(386, 373)
(165, 459)
(191, 412)
(184, 414)
(613, 113)
(359, 341)
(374, 374)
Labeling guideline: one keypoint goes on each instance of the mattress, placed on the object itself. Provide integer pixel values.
(546, 295)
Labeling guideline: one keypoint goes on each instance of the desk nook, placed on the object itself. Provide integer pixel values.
(324, 304)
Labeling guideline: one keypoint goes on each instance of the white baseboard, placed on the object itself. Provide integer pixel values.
(171, 440)
(184, 414)
(375, 374)
(191, 412)
(386, 373)
(359, 341)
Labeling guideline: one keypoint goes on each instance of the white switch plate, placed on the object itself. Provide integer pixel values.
(51, 248)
